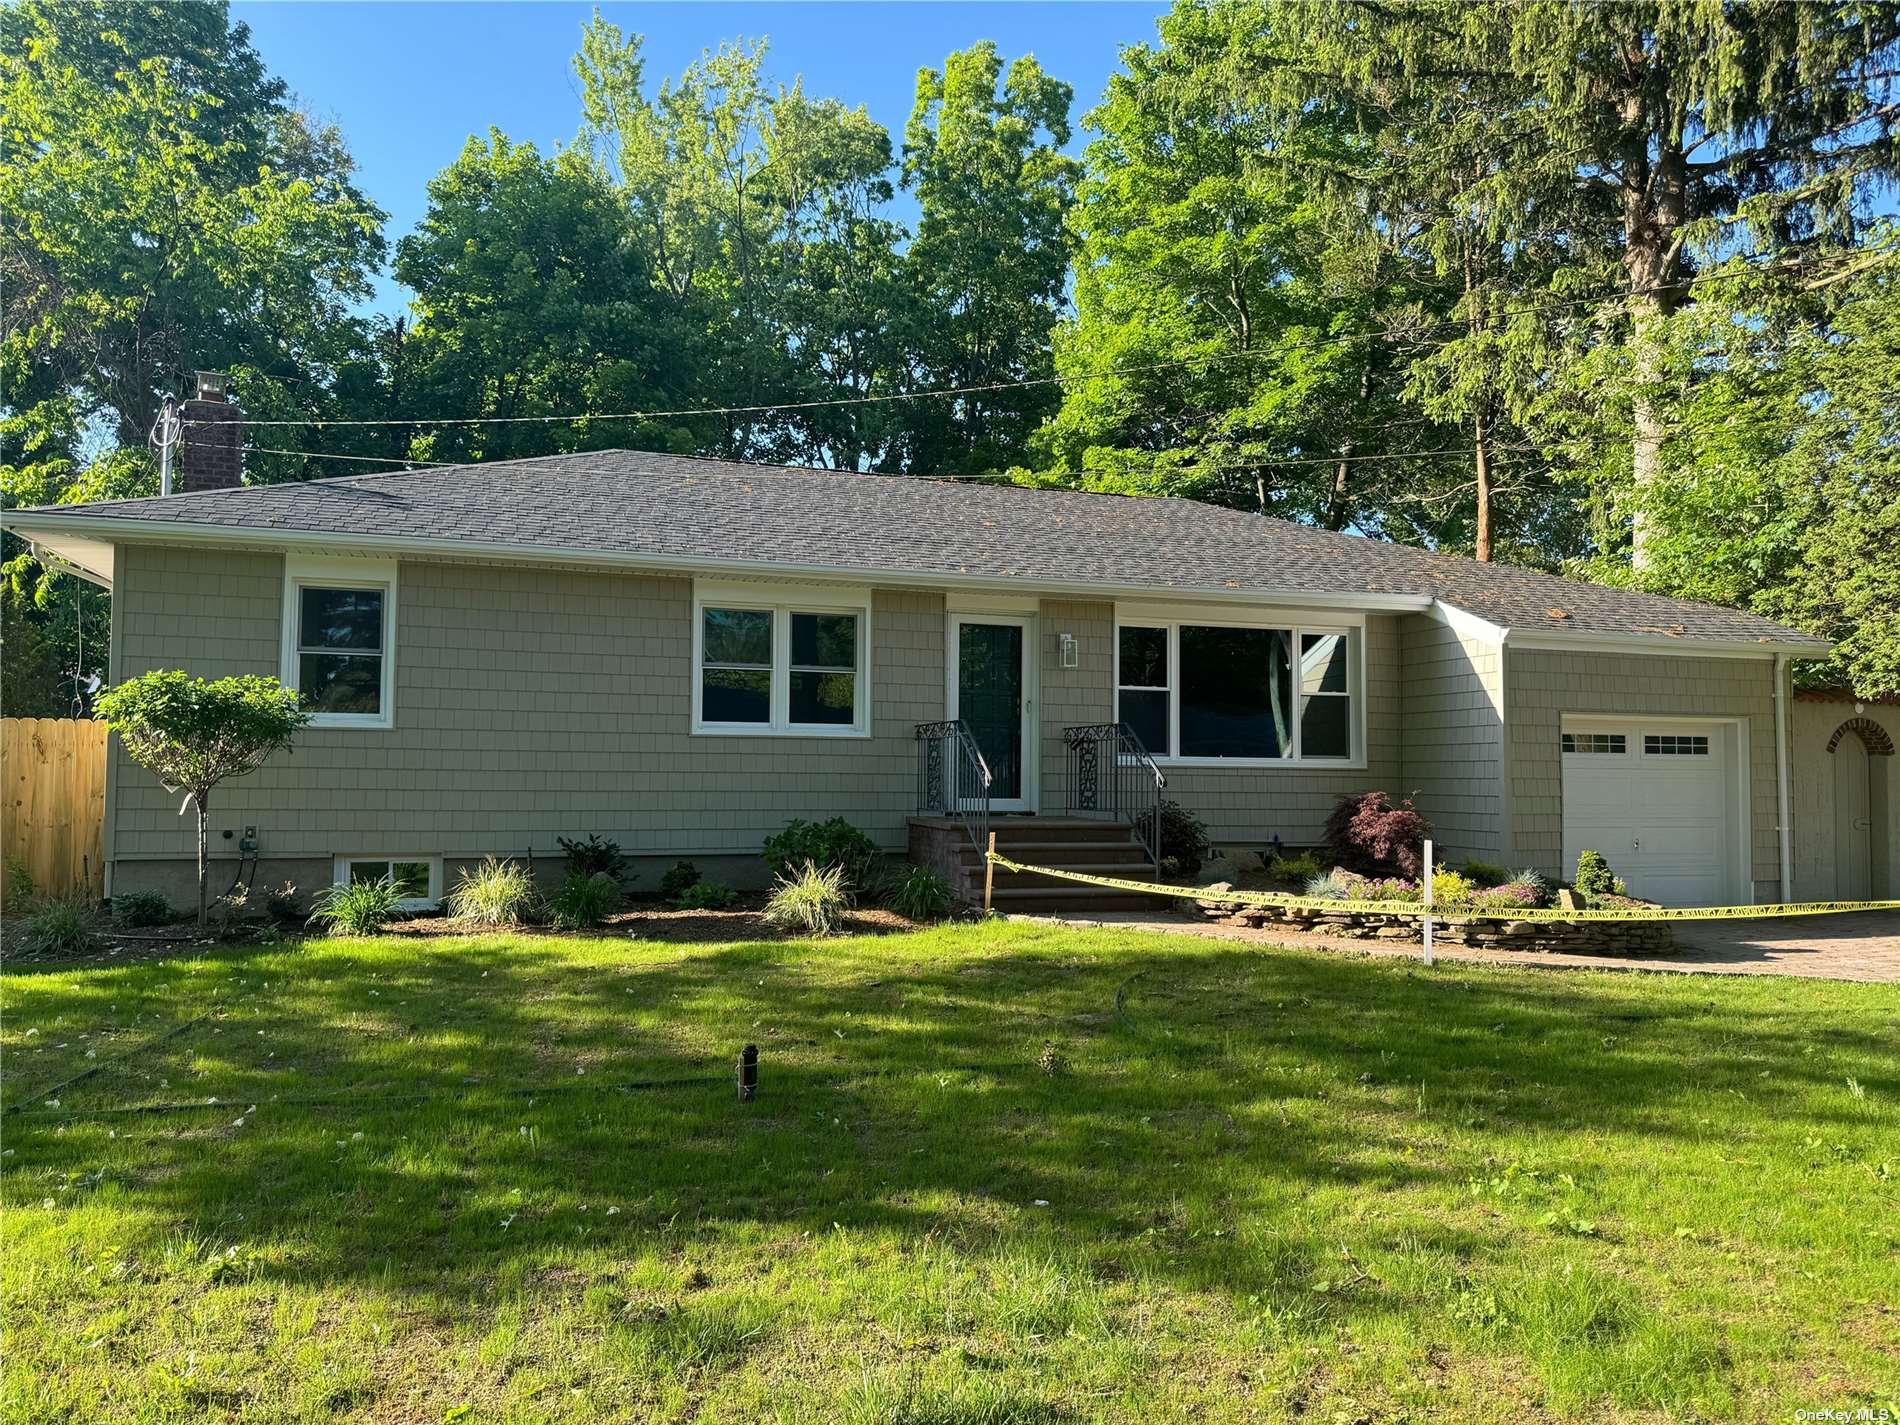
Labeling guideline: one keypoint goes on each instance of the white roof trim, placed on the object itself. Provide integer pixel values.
(1463, 621)
(54, 531)
(1683, 647)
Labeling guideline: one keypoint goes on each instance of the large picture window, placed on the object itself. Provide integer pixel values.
(781, 668)
(339, 635)
(1239, 693)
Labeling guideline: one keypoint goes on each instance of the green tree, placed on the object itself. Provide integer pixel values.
(1782, 459)
(983, 153)
(1228, 340)
(530, 300)
(193, 734)
(1673, 132)
(164, 207)
(760, 211)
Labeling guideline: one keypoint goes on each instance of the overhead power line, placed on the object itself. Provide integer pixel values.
(366, 459)
(1081, 378)
(1203, 463)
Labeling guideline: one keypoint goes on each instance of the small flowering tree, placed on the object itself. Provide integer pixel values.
(1370, 835)
(193, 734)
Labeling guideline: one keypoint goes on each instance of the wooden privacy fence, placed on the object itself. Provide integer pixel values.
(53, 818)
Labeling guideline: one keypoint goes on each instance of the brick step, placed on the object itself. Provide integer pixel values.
(1013, 833)
(1129, 871)
(1058, 853)
(1123, 870)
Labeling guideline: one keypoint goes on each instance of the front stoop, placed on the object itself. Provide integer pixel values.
(1099, 848)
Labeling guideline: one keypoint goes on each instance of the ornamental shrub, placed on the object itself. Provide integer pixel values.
(1486, 873)
(134, 909)
(1368, 834)
(1184, 843)
(357, 908)
(706, 895)
(60, 927)
(1594, 877)
(1450, 888)
(1512, 895)
(813, 902)
(1329, 887)
(1298, 869)
(584, 901)
(919, 893)
(823, 844)
(678, 877)
(594, 857)
(496, 893)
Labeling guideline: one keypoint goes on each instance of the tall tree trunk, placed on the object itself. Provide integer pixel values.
(1481, 452)
(1336, 502)
(1655, 206)
(204, 846)
(1476, 319)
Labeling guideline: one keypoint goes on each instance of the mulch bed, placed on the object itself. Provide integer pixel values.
(743, 922)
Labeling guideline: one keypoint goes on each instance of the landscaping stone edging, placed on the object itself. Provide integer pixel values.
(1360, 922)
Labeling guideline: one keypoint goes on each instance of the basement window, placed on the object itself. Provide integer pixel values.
(417, 879)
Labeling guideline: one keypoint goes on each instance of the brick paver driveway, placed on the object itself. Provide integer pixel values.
(1862, 946)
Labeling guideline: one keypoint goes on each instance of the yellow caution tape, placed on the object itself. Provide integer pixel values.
(1269, 900)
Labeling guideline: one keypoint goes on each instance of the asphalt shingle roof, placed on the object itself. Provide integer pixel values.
(660, 507)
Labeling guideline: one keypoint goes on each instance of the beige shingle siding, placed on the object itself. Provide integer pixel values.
(1542, 685)
(1452, 737)
(1072, 697)
(530, 704)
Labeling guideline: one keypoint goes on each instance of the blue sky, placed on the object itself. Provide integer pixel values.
(410, 82)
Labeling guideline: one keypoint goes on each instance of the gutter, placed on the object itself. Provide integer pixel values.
(39, 528)
(59, 564)
(1783, 818)
(1463, 621)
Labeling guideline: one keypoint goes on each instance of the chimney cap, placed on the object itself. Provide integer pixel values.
(212, 385)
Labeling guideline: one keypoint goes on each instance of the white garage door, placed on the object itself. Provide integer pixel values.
(1658, 800)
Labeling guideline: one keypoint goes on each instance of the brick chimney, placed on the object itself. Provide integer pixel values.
(211, 453)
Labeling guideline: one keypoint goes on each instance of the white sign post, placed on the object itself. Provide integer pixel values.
(1428, 900)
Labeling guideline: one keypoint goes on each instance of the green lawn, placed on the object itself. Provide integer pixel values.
(1248, 1186)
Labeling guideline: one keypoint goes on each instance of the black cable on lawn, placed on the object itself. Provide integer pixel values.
(507, 1090)
(19, 1105)
(1121, 1002)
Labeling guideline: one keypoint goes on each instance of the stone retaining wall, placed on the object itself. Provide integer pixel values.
(1582, 937)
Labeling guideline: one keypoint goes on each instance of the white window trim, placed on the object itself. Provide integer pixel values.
(782, 601)
(312, 572)
(1172, 618)
(340, 875)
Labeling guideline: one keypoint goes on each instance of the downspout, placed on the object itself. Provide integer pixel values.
(1783, 830)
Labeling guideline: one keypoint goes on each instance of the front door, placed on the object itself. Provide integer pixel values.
(990, 690)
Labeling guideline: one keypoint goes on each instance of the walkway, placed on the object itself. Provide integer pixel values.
(1863, 946)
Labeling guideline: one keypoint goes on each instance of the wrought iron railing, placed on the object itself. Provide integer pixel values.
(1111, 776)
(953, 780)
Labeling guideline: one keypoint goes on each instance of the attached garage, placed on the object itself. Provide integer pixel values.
(1663, 800)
